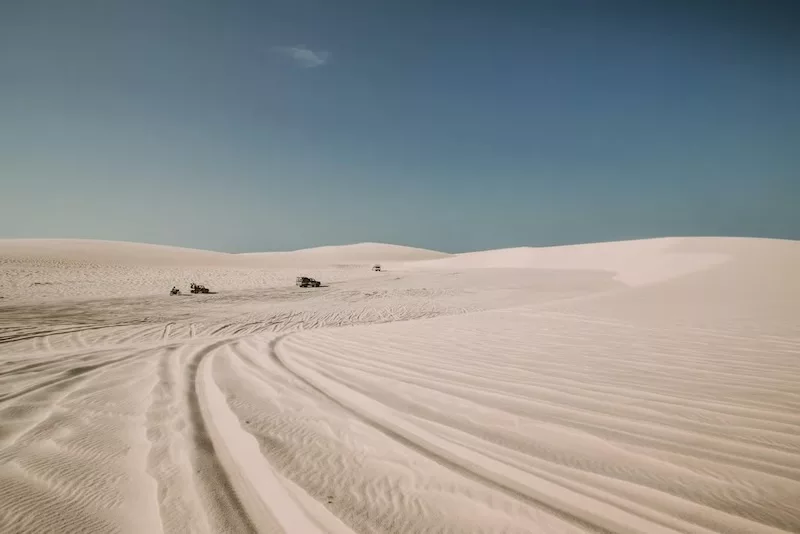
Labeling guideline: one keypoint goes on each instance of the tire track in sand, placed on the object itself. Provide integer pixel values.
(473, 471)
(494, 468)
(268, 498)
(214, 506)
(168, 460)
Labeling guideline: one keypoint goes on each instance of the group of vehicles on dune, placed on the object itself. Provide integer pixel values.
(301, 281)
(193, 288)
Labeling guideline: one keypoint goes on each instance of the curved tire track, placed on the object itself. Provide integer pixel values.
(458, 465)
(223, 506)
(263, 494)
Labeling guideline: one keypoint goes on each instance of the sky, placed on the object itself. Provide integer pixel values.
(250, 125)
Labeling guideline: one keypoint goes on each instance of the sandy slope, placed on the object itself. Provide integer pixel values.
(99, 252)
(637, 262)
(36, 269)
(361, 253)
(125, 253)
(643, 386)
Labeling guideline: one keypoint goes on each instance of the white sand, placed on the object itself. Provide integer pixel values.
(642, 386)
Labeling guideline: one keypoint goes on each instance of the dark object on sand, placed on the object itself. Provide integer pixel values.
(304, 281)
(197, 288)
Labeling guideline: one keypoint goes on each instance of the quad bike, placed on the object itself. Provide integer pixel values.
(175, 291)
(197, 288)
(304, 281)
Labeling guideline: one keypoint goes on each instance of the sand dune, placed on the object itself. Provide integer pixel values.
(126, 253)
(643, 386)
(637, 262)
(90, 251)
(360, 253)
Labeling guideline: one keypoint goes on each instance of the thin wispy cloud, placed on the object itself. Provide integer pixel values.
(303, 56)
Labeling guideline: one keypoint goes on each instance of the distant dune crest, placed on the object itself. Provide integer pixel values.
(122, 253)
(636, 262)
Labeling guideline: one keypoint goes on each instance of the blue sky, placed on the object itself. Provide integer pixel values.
(453, 125)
